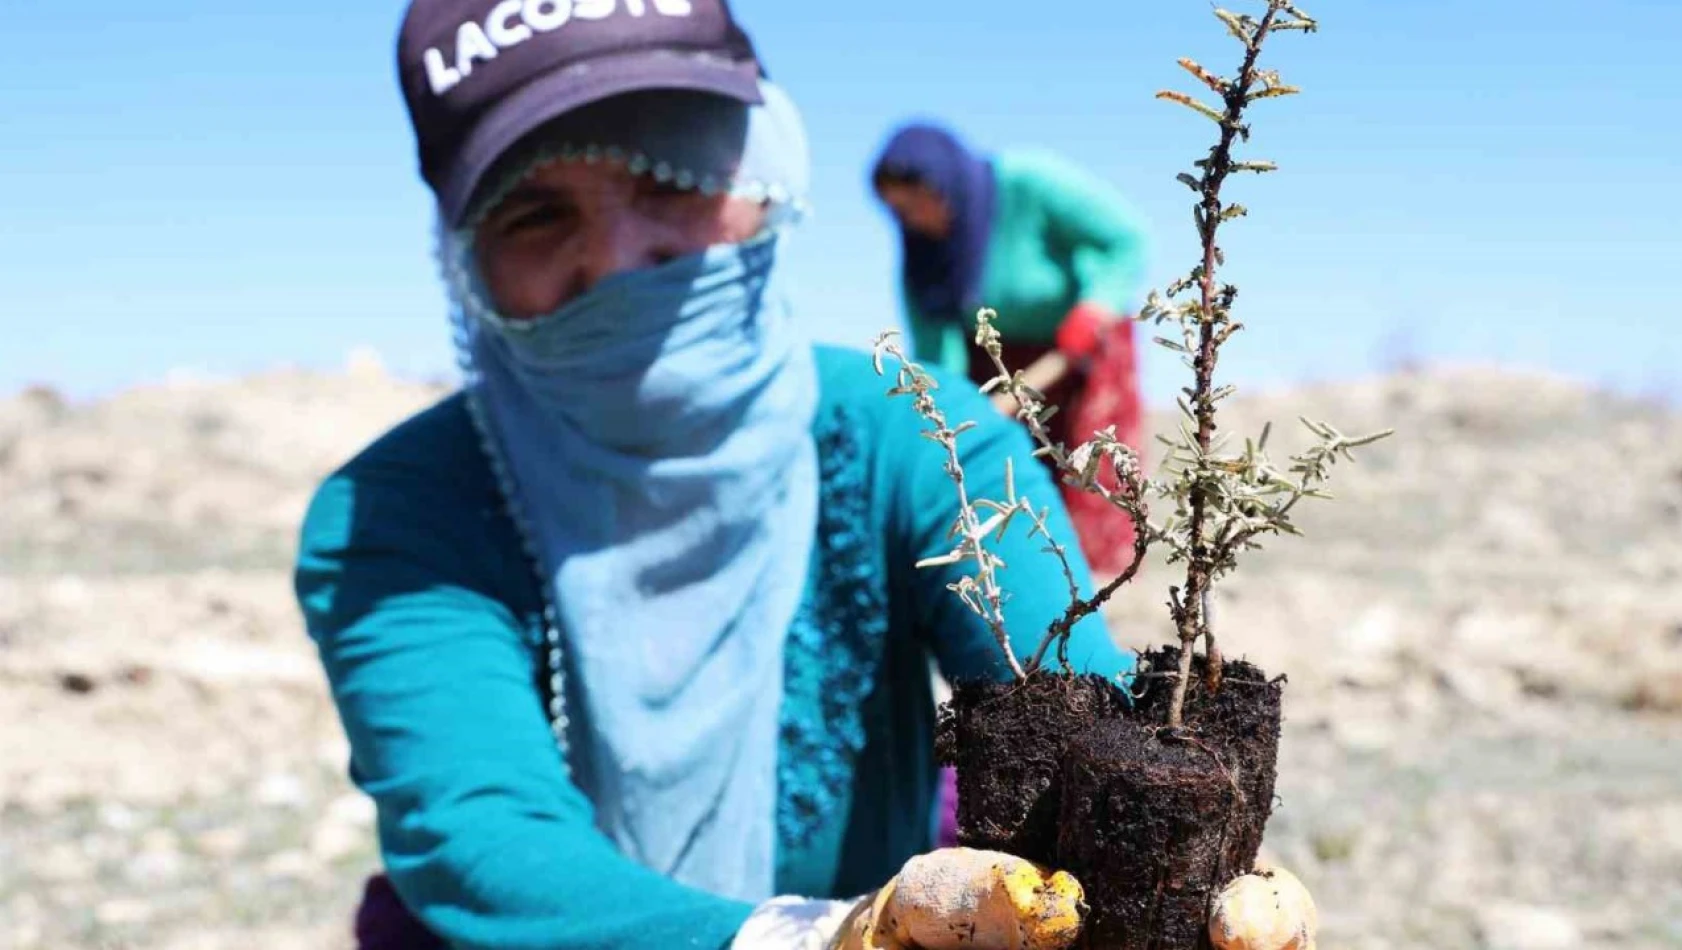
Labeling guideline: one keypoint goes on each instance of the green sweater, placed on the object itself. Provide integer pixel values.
(1061, 236)
(428, 618)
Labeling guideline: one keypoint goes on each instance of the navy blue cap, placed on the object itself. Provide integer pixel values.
(479, 75)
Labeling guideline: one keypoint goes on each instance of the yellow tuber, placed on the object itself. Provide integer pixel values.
(1266, 910)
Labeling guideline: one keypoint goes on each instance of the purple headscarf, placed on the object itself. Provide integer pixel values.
(943, 275)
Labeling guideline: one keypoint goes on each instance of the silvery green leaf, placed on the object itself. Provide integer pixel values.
(1369, 439)
(1237, 26)
(1318, 429)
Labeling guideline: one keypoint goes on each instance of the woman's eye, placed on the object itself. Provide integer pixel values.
(529, 218)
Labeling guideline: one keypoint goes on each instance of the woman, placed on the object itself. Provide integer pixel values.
(626, 635)
(1060, 257)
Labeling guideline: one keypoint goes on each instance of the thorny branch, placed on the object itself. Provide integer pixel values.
(1214, 306)
(980, 591)
(1206, 484)
(1080, 468)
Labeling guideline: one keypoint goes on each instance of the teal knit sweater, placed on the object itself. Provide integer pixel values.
(428, 617)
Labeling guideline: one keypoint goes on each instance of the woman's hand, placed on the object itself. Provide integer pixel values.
(1082, 328)
(984, 900)
(958, 897)
(1268, 909)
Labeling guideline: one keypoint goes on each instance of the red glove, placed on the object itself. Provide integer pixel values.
(1078, 336)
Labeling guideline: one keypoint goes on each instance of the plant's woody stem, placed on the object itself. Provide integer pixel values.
(1190, 617)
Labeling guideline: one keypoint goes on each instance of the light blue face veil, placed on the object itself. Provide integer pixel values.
(653, 440)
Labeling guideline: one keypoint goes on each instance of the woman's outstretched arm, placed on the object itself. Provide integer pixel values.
(481, 831)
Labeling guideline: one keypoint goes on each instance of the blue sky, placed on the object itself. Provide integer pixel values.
(224, 187)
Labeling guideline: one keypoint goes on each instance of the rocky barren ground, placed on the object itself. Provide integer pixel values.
(1483, 640)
